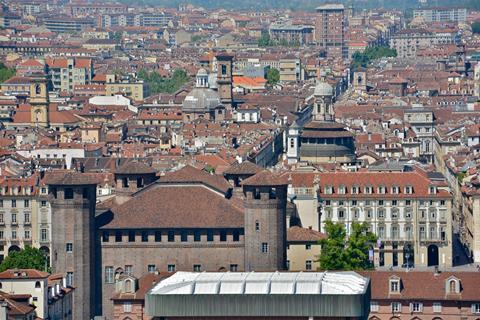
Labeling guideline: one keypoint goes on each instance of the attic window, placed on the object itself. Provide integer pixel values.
(394, 285)
(453, 286)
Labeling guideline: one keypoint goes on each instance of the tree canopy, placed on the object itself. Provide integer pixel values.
(28, 258)
(5, 72)
(273, 76)
(363, 59)
(340, 253)
(159, 84)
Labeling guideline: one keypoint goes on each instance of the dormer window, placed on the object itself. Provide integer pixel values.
(355, 190)
(453, 286)
(432, 190)
(395, 190)
(368, 190)
(381, 189)
(394, 285)
(342, 190)
(328, 190)
(408, 189)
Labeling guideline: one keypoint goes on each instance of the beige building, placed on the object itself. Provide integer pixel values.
(408, 41)
(66, 73)
(470, 219)
(303, 248)
(410, 212)
(290, 70)
(136, 90)
(25, 215)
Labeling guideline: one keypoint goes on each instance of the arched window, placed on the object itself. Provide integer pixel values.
(128, 286)
(453, 286)
(37, 285)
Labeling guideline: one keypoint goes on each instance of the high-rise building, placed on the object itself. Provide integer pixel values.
(330, 29)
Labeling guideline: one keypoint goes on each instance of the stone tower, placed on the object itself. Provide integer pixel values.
(39, 102)
(225, 79)
(265, 222)
(323, 107)
(72, 197)
(360, 80)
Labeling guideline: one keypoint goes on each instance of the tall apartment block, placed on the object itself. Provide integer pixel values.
(330, 29)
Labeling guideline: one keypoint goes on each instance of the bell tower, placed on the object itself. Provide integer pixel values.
(225, 79)
(39, 102)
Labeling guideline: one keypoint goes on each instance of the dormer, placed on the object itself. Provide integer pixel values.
(394, 284)
(342, 189)
(452, 285)
(382, 190)
(355, 189)
(328, 189)
(126, 284)
(432, 189)
(395, 190)
(408, 189)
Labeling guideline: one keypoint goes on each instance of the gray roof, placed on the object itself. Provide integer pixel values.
(201, 100)
(323, 89)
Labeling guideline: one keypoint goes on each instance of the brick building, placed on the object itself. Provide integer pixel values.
(330, 29)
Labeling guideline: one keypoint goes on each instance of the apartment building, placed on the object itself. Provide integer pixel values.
(422, 122)
(469, 204)
(134, 89)
(290, 69)
(66, 73)
(159, 19)
(408, 41)
(441, 14)
(25, 215)
(410, 212)
(330, 29)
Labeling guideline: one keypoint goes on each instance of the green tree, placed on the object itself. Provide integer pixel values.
(28, 258)
(5, 72)
(363, 59)
(117, 36)
(264, 40)
(338, 253)
(476, 27)
(332, 256)
(273, 76)
(159, 84)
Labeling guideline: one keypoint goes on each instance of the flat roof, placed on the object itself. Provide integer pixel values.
(266, 283)
(333, 6)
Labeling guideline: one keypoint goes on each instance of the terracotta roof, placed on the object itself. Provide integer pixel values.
(169, 206)
(71, 178)
(418, 285)
(265, 178)
(189, 174)
(23, 274)
(145, 283)
(299, 234)
(135, 167)
(244, 168)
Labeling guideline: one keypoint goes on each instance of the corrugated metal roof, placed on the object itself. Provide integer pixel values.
(263, 283)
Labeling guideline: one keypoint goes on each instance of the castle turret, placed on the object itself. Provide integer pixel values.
(72, 197)
(265, 222)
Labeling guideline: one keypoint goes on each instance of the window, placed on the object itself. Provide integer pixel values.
(308, 265)
(394, 285)
(394, 202)
(144, 236)
(69, 278)
(26, 217)
(43, 203)
(209, 235)
(171, 236)
(69, 247)
(422, 232)
(308, 246)
(14, 203)
(381, 202)
(396, 307)
(408, 202)
(43, 235)
(381, 213)
(158, 236)
(26, 203)
(196, 236)
(416, 307)
(1, 218)
(476, 308)
(68, 193)
(223, 235)
(374, 306)
(236, 235)
(109, 274)
(184, 236)
(264, 247)
(1, 203)
(257, 225)
(14, 234)
(437, 307)
(14, 218)
(151, 268)
(341, 214)
(127, 307)
(197, 268)
(131, 236)
(171, 268)
(452, 286)
(234, 267)
(129, 270)
(118, 236)
(105, 236)
(27, 234)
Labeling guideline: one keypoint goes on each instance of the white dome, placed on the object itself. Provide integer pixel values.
(323, 89)
(202, 72)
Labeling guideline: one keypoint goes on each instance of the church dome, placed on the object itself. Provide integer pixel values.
(323, 89)
(201, 100)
